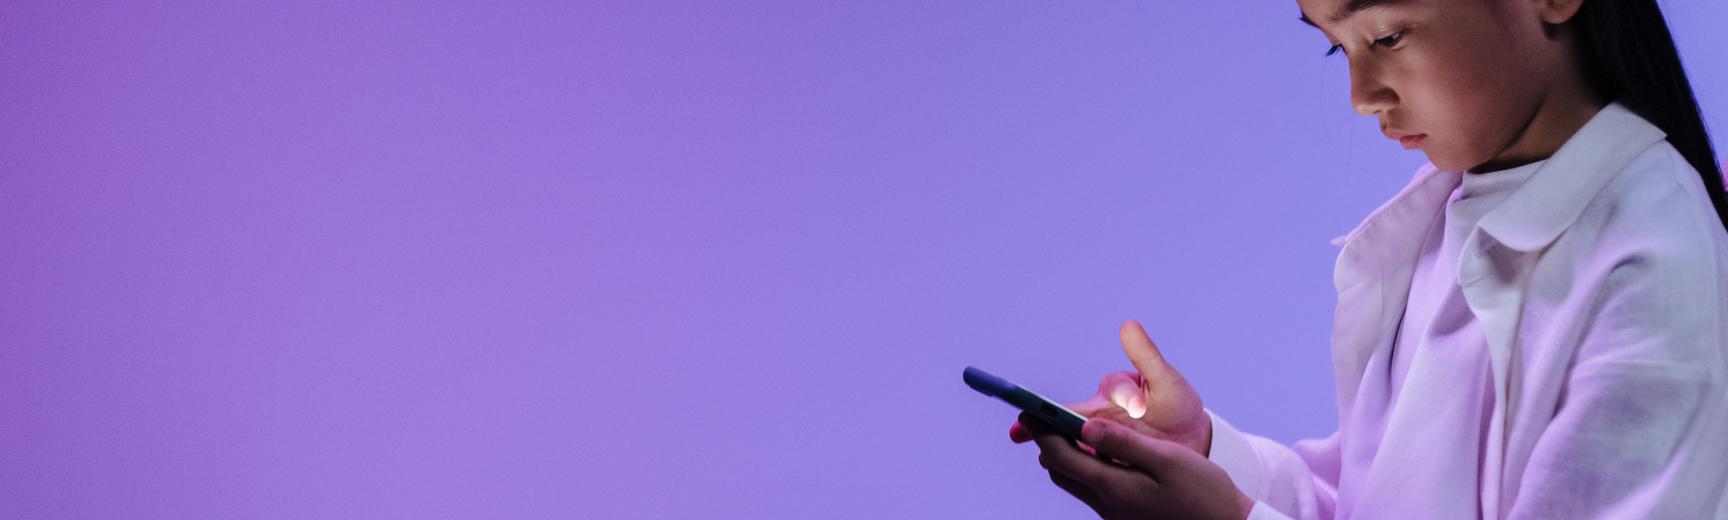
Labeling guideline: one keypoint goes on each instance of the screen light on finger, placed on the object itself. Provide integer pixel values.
(1129, 398)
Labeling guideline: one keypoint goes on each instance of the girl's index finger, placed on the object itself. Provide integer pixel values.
(1143, 352)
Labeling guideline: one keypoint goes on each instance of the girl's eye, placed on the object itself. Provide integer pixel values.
(1389, 41)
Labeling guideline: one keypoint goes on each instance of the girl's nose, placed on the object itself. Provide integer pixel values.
(1368, 94)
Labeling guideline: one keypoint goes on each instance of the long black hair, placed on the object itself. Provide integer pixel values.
(1629, 56)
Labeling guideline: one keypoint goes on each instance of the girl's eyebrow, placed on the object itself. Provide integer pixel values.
(1351, 8)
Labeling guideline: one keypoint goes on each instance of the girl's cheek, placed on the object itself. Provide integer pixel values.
(1464, 110)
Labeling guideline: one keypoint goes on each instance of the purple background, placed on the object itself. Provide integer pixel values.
(652, 259)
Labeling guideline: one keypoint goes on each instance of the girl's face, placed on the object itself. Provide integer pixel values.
(1463, 80)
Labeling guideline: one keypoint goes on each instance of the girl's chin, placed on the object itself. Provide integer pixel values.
(1441, 162)
(1445, 161)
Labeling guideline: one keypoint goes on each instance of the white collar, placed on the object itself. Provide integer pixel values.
(1554, 195)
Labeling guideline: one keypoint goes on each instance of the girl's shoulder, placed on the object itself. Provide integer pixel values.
(1650, 258)
(1652, 242)
(1658, 200)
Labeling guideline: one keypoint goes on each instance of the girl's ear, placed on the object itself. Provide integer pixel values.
(1556, 12)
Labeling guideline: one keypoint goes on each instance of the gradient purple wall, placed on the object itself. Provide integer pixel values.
(651, 259)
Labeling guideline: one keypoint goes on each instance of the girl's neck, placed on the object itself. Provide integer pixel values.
(1554, 122)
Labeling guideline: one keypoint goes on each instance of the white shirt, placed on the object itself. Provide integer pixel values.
(1560, 350)
(1446, 410)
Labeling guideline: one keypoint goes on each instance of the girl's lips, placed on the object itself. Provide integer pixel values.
(1412, 141)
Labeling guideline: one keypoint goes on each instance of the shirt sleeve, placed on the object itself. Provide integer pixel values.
(1298, 481)
(1641, 428)
(1627, 443)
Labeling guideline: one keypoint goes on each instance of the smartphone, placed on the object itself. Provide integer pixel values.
(1060, 418)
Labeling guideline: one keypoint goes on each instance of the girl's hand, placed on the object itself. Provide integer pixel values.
(1133, 475)
(1156, 401)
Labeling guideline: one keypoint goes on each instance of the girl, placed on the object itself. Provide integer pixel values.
(1535, 327)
